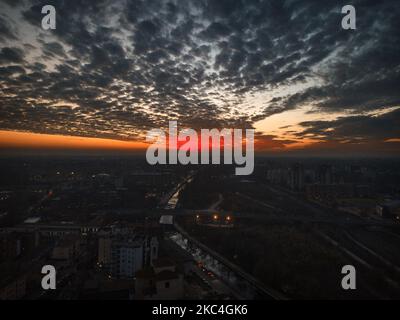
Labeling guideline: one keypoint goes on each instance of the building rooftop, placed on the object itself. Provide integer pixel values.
(166, 275)
(163, 262)
(146, 273)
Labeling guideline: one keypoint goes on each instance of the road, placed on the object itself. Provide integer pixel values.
(266, 291)
(170, 200)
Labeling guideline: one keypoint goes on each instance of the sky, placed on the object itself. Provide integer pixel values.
(114, 69)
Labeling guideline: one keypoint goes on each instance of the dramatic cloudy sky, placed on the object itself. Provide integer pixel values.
(113, 69)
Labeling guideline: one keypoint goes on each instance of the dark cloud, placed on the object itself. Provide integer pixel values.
(363, 73)
(6, 72)
(6, 31)
(356, 129)
(215, 31)
(13, 3)
(11, 55)
(53, 49)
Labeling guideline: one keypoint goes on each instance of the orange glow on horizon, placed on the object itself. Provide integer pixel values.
(16, 139)
(28, 140)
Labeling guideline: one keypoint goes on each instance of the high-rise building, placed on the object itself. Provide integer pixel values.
(10, 246)
(124, 254)
(297, 177)
(104, 254)
(325, 174)
(127, 258)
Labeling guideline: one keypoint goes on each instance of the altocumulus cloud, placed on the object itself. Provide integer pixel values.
(114, 68)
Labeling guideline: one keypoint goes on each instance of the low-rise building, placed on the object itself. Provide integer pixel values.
(160, 282)
(66, 249)
(389, 209)
(13, 289)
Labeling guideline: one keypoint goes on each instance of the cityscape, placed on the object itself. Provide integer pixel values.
(282, 182)
(141, 232)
